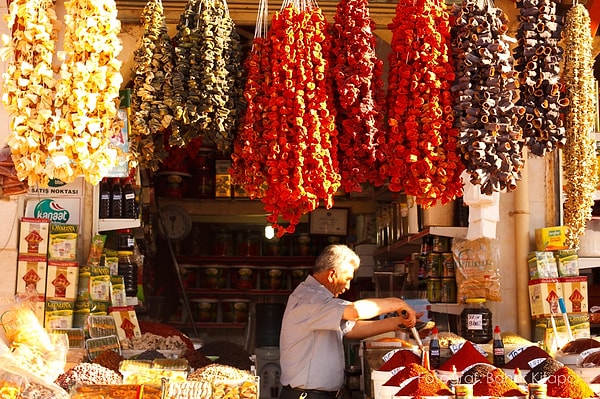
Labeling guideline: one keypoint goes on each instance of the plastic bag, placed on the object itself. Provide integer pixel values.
(17, 382)
(477, 273)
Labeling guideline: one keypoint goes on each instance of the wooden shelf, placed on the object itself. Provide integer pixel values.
(288, 261)
(232, 292)
(401, 247)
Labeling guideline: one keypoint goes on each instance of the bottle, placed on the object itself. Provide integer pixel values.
(453, 379)
(498, 347)
(129, 270)
(129, 204)
(116, 200)
(519, 379)
(434, 349)
(476, 321)
(104, 202)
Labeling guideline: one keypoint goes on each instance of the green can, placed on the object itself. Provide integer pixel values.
(434, 265)
(434, 290)
(448, 265)
(463, 391)
(448, 290)
(537, 391)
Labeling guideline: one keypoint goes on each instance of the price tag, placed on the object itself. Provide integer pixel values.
(534, 362)
(475, 322)
(389, 355)
(512, 354)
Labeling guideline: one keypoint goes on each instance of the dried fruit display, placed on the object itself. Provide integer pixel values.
(151, 97)
(207, 78)
(421, 153)
(249, 155)
(537, 59)
(579, 166)
(486, 88)
(28, 85)
(360, 96)
(70, 121)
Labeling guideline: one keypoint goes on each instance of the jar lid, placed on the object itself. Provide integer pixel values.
(475, 300)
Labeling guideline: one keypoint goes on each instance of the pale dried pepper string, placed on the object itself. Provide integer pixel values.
(87, 93)
(537, 59)
(249, 154)
(151, 98)
(579, 155)
(422, 159)
(486, 89)
(360, 99)
(28, 85)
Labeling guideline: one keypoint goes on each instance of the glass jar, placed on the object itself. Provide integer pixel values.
(223, 243)
(476, 321)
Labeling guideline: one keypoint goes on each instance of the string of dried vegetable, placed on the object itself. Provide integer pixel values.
(579, 166)
(360, 99)
(421, 153)
(300, 129)
(87, 93)
(537, 59)
(151, 97)
(28, 85)
(249, 154)
(486, 88)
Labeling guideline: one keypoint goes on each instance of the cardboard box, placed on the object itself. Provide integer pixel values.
(575, 293)
(61, 280)
(126, 321)
(551, 342)
(567, 262)
(31, 275)
(58, 314)
(63, 242)
(551, 238)
(542, 264)
(222, 179)
(33, 236)
(543, 297)
(439, 215)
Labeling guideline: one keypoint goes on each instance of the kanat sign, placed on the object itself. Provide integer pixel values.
(57, 210)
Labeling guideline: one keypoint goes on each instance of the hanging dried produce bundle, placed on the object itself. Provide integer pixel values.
(249, 155)
(486, 88)
(87, 93)
(28, 86)
(537, 59)
(151, 113)
(421, 152)
(579, 155)
(299, 130)
(207, 76)
(360, 97)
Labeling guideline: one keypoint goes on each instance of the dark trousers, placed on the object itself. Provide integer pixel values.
(288, 392)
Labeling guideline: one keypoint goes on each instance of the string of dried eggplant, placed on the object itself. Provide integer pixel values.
(537, 59)
(87, 93)
(151, 113)
(421, 154)
(357, 73)
(28, 85)
(579, 166)
(490, 138)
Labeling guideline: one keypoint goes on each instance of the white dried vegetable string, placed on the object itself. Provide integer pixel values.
(579, 155)
(28, 85)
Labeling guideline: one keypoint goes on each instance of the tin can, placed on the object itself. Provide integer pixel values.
(434, 265)
(434, 290)
(440, 244)
(448, 290)
(464, 391)
(448, 265)
(537, 391)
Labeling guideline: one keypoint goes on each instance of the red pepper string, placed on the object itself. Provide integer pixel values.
(357, 73)
(421, 151)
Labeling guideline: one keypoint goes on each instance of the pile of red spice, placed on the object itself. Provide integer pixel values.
(497, 383)
(523, 359)
(408, 372)
(425, 385)
(401, 358)
(565, 383)
(466, 356)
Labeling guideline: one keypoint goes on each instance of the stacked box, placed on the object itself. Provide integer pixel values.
(551, 238)
(575, 293)
(61, 291)
(63, 242)
(126, 322)
(32, 262)
(542, 264)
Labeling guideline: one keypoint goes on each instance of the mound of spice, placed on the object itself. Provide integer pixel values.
(543, 370)
(497, 383)
(526, 358)
(466, 356)
(401, 358)
(565, 383)
(425, 385)
(474, 373)
(408, 372)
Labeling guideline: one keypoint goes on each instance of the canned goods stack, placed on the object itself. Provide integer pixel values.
(439, 269)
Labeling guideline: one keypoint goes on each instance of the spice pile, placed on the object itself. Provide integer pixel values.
(466, 356)
(402, 358)
(565, 383)
(416, 380)
(497, 383)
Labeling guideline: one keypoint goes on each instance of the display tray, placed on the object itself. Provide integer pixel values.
(169, 354)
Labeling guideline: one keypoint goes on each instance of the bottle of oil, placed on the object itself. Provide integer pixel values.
(476, 321)
(116, 200)
(104, 200)
(129, 202)
(434, 349)
(498, 348)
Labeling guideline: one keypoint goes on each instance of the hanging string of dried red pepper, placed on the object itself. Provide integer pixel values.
(360, 96)
(421, 152)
